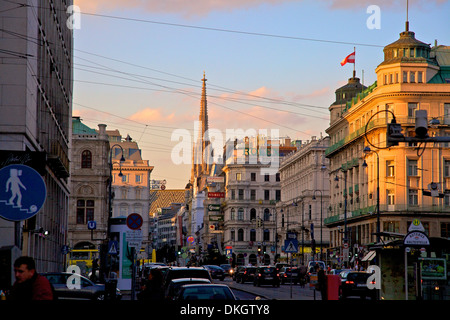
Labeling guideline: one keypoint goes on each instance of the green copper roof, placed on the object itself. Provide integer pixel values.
(80, 128)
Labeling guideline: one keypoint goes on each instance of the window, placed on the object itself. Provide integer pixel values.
(125, 178)
(277, 177)
(445, 230)
(252, 194)
(232, 235)
(233, 214)
(266, 235)
(278, 195)
(412, 168)
(412, 109)
(446, 168)
(390, 197)
(390, 168)
(405, 76)
(241, 194)
(391, 226)
(253, 235)
(238, 176)
(253, 176)
(266, 214)
(85, 211)
(139, 178)
(412, 77)
(252, 214)
(266, 177)
(233, 194)
(86, 159)
(240, 235)
(413, 199)
(266, 194)
(240, 214)
(420, 77)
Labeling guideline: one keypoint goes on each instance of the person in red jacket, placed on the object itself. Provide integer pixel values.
(29, 285)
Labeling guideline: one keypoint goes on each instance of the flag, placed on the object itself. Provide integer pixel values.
(350, 59)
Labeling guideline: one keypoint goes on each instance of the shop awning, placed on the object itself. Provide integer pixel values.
(369, 256)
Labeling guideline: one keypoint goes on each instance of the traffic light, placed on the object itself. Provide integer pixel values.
(259, 249)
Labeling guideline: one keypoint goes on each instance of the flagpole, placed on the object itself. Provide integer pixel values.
(354, 63)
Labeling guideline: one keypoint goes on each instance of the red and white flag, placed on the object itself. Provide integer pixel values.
(350, 59)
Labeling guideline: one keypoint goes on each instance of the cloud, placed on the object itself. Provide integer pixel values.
(203, 7)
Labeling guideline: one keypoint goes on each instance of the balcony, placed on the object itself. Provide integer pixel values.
(57, 160)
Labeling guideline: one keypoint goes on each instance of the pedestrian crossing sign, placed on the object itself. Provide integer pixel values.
(291, 246)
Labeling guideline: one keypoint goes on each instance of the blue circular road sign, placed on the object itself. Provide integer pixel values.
(22, 192)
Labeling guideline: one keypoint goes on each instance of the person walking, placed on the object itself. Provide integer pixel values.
(153, 287)
(322, 283)
(29, 285)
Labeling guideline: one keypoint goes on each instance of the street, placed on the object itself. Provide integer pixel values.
(284, 292)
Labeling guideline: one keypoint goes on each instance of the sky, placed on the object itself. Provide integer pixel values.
(269, 64)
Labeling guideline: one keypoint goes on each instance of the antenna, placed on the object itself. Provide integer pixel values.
(407, 22)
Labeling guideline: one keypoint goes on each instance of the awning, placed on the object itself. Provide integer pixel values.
(369, 256)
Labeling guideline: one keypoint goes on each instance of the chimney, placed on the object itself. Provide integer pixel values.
(102, 131)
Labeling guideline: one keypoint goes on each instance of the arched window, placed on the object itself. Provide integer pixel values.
(233, 214)
(253, 213)
(253, 235)
(86, 159)
(266, 214)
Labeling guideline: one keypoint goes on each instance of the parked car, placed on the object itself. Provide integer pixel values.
(176, 284)
(245, 274)
(228, 269)
(355, 284)
(316, 265)
(289, 274)
(185, 272)
(205, 292)
(216, 272)
(267, 275)
(88, 290)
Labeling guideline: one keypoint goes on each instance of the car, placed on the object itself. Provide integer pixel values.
(205, 292)
(316, 265)
(185, 272)
(176, 284)
(88, 290)
(289, 274)
(216, 272)
(355, 284)
(343, 274)
(228, 269)
(267, 275)
(245, 274)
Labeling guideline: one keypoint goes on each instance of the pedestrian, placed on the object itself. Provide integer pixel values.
(153, 286)
(322, 283)
(29, 285)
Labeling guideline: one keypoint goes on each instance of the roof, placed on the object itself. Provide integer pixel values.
(164, 198)
(80, 128)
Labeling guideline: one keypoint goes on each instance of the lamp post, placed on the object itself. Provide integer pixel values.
(108, 234)
(366, 150)
(321, 219)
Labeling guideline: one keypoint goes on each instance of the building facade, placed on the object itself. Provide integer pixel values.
(35, 119)
(383, 188)
(89, 186)
(305, 193)
(130, 176)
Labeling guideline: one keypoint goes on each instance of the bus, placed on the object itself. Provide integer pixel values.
(82, 258)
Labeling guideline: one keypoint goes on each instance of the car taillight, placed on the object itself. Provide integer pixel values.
(245, 272)
(349, 282)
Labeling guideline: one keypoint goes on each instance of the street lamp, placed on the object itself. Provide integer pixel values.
(321, 219)
(366, 150)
